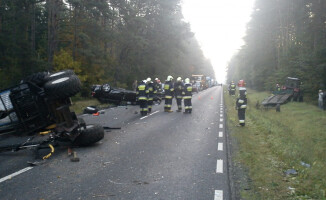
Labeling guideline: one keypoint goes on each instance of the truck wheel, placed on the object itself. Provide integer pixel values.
(36, 78)
(63, 87)
(57, 75)
(89, 135)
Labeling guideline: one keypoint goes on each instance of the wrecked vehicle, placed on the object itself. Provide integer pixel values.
(39, 105)
(290, 91)
(107, 94)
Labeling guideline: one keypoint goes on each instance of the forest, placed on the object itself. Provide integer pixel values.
(116, 41)
(283, 39)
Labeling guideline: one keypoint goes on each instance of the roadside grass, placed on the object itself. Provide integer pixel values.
(273, 142)
(79, 104)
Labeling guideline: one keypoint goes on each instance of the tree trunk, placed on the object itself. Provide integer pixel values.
(53, 12)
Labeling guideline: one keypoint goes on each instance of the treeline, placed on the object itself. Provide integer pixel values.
(114, 41)
(284, 38)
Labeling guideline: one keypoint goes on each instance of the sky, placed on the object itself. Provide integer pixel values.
(219, 27)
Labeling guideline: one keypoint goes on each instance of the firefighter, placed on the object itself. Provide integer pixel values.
(277, 88)
(142, 96)
(151, 93)
(232, 88)
(178, 89)
(241, 105)
(187, 95)
(169, 90)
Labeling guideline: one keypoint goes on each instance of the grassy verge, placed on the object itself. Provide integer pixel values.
(78, 105)
(273, 142)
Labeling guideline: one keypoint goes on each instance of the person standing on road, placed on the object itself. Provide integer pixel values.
(320, 99)
(241, 105)
(151, 92)
(232, 88)
(187, 95)
(178, 89)
(142, 96)
(168, 89)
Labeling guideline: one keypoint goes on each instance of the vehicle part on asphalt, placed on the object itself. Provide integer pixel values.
(89, 135)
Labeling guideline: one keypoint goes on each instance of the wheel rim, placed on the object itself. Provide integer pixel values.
(56, 74)
(60, 80)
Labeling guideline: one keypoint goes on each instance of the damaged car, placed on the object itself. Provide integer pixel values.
(107, 94)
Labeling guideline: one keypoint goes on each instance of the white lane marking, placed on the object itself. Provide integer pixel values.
(149, 114)
(221, 115)
(220, 134)
(221, 119)
(143, 117)
(219, 166)
(220, 147)
(221, 125)
(15, 174)
(218, 195)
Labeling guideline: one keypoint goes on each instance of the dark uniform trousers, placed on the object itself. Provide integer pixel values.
(151, 93)
(142, 93)
(241, 107)
(187, 98)
(168, 88)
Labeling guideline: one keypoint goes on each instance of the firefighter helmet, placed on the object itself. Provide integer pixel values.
(169, 78)
(179, 79)
(148, 79)
(187, 80)
(241, 83)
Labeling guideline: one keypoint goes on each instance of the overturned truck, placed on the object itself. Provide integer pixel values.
(37, 112)
(291, 91)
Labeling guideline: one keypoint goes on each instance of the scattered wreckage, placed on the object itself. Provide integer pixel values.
(39, 105)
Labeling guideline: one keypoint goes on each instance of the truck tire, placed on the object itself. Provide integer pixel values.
(36, 78)
(89, 135)
(57, 75)
(63, 87)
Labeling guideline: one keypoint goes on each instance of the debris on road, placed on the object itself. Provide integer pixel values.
(75, 158)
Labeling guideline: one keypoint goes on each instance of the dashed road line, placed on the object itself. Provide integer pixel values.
(218, 195)
(220, 134)
(221, 126)
(220, 147)
(15, 174)
(149, 114)
(219, 166)
(221, 119)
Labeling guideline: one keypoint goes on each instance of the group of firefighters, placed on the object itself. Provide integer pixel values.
(241, 101)
(147, 90)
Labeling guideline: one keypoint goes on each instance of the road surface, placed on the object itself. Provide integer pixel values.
(160, 156)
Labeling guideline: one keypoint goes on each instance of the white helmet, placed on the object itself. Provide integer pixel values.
(187, 80)
(169, 78)
(148, 79)
(156, 79)
(179, 79)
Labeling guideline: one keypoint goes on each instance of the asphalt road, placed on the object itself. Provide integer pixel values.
(161, 156)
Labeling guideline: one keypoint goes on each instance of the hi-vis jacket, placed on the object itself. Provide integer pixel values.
(178, 89)
(187, 91)
(168, 89)
(142, 92)
(152, 90)
(241, 103)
